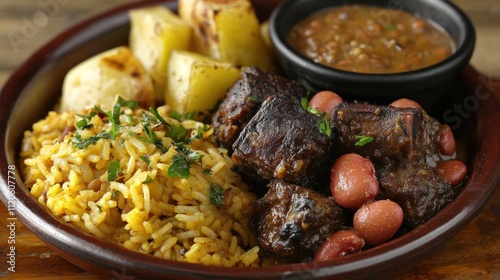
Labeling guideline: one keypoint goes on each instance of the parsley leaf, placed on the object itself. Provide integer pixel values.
(177, 133)
(114, 170)
(157, 115)
(182, 161)
(84, 123)
(216, 194)
(324, 124)
(83, 143)
(148, 180)
(132, 104)
(175, 115)
(151, 137)
(362, 140)
(200, 130)
(114, 117)
(145, 158)
(179, 167)
(305, 104)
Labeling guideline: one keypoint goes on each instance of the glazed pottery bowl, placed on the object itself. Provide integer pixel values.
(35, 87)
(426, 85)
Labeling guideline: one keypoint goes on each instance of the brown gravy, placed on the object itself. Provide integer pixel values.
(370, 39)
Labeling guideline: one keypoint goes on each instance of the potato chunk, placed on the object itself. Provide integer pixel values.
(155, 32)
(99, 79)
(196, 83)
(227, 30)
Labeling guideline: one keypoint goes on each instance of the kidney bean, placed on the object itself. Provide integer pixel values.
(339, 244)
(405, 103)
(452, 171)
(325, 101)
(377, 221)
(447, 144)
(352, 181)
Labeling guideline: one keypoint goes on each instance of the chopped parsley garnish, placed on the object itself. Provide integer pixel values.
(208, 171)
(114, 115)
(216, 194)
(177, 133)
(132, 104)
(157, 115)
(182, 161)
(84, 123)
(305, 104)
(200, 130)
(178, 116)
(114, 118)
(179, 167)
(83, 143)
(324, 124)
(151, 137)
(362, 140)
(129, 119)
(114, 171)
(148, 180)
(145, 158)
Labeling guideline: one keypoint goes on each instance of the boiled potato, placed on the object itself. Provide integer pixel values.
(155, 32)
(228, 31)
(99, 79)
(196, 83)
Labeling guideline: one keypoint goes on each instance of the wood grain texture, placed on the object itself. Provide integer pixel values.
(474, 253)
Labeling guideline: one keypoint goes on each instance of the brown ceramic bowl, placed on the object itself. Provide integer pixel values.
(34, 88)
(425, 85)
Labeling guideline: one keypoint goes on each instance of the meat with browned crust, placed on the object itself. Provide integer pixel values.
(283, 141)
(292, 221)
(404, 150)
(244, 100)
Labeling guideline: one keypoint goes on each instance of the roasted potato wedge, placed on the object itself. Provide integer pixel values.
(99, 79)
(155, 32)
(227, 30)
(197, 83)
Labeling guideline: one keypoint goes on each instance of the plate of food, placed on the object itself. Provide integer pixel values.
(163, 140)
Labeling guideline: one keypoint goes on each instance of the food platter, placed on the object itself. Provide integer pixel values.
(43, 73)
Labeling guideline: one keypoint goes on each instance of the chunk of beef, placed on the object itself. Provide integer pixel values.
(417, 188)
(283, 141)
(404, 149)
(292, 221)
(397, 132)
(244, 100)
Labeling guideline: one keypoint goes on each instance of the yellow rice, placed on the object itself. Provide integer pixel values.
(171, 218)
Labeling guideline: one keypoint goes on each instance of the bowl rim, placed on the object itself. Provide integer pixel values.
(458, 59)
(96, 252)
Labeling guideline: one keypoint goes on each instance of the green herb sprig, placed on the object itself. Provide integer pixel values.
(216, 194)
(324, 124)
(362, 140)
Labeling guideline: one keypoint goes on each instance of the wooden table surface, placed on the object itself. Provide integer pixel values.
(474, 253)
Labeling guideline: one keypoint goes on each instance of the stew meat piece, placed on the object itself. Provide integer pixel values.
(404, 150)
(292, 221)
(283, 141)
(417, 188)
(397, 132)
(244, 100)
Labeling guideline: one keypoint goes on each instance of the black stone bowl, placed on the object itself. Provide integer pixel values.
(427, 85)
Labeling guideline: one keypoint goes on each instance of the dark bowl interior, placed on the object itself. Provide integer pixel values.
(426, 86)
(35, 86)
